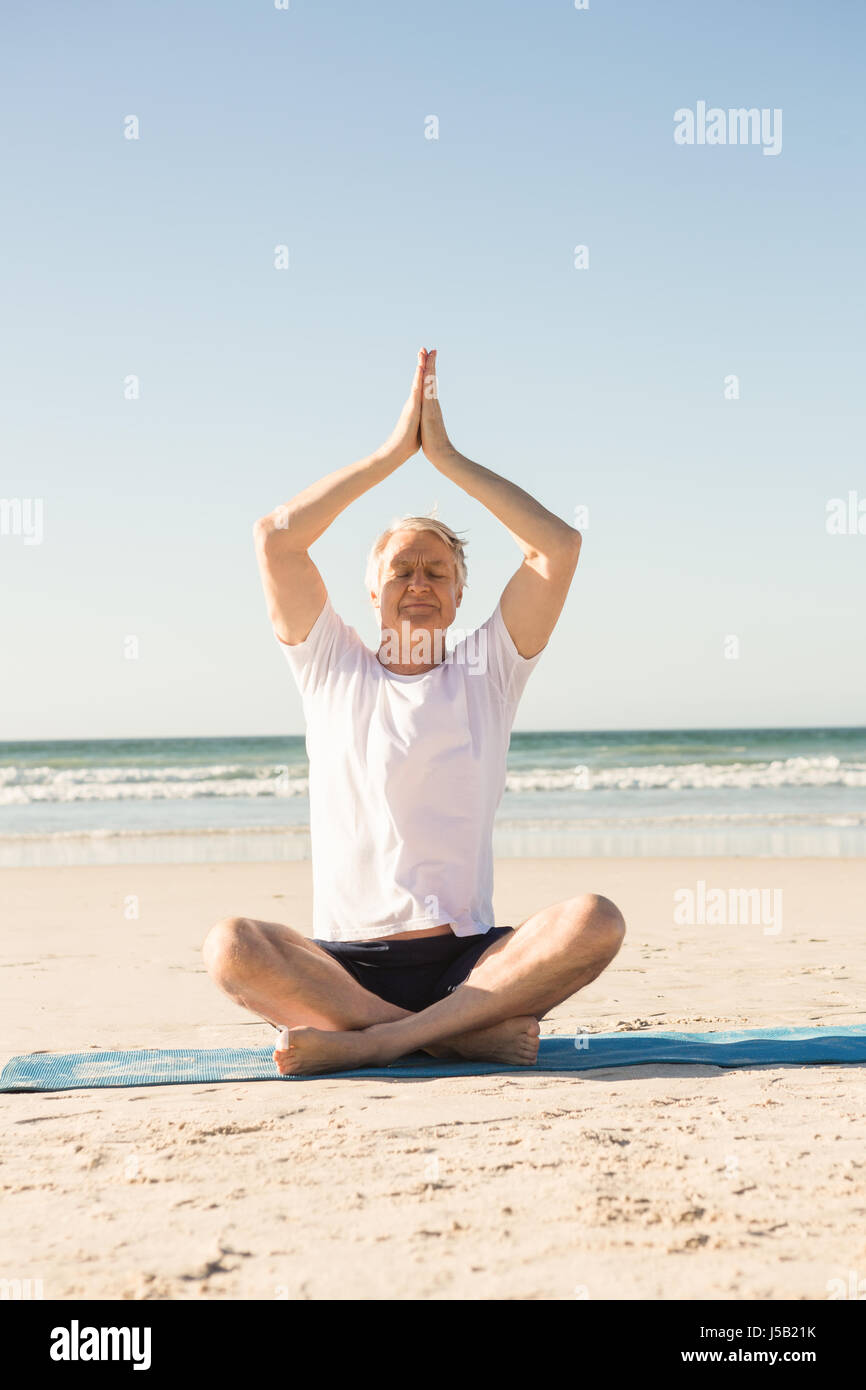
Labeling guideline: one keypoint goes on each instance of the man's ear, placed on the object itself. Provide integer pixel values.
(459, 596)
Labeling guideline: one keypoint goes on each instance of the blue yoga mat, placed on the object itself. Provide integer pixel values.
(44, 1071)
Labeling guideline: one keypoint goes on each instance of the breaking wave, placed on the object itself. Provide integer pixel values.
(27, 785)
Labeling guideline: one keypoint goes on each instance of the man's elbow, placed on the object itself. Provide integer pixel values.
(574, 541)
(558, 560)
(567, 552)
(269, 529)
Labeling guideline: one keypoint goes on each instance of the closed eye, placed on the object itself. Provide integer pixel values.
(432, 574)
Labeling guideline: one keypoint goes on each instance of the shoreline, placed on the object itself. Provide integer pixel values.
(786, 838)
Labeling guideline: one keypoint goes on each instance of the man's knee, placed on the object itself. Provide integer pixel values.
(231, 947)
(601, 919)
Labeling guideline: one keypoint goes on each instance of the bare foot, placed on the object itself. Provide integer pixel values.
(313, 1050)
(513, 1042)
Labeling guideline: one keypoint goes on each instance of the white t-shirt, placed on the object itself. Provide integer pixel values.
(406, 773)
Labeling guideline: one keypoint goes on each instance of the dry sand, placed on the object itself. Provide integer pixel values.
(649, 1182)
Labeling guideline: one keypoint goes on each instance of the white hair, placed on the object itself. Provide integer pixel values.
(415, 523)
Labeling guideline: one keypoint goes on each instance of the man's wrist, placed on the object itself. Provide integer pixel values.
(387, 460)
(443, 456)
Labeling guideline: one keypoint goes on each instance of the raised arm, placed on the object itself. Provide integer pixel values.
(532, 599)
(294, 589)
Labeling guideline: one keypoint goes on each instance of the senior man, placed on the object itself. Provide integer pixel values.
(407, 747)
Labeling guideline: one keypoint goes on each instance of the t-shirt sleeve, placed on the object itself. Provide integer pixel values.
(507, 670)
(318, 656)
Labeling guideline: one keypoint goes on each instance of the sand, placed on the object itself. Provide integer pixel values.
(648, 1182)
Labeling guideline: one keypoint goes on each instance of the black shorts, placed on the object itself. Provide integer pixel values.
(413, 974)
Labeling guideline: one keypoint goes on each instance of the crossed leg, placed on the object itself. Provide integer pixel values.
(288, 980)
(335, 1024)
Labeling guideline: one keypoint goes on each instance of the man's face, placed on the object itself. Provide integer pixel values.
(417, 583)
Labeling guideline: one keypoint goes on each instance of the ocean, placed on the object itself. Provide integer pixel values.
(765, 792)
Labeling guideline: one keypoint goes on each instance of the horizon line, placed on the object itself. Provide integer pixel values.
(657, 729)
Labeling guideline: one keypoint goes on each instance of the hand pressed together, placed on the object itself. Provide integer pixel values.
(420, 425)
(405, 438)
(434, 438)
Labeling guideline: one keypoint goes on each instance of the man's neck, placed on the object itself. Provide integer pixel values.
(411, 652)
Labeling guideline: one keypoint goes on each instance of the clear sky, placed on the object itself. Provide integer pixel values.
(601, 387)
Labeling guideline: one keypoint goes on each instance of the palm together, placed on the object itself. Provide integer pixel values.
(421, 425)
